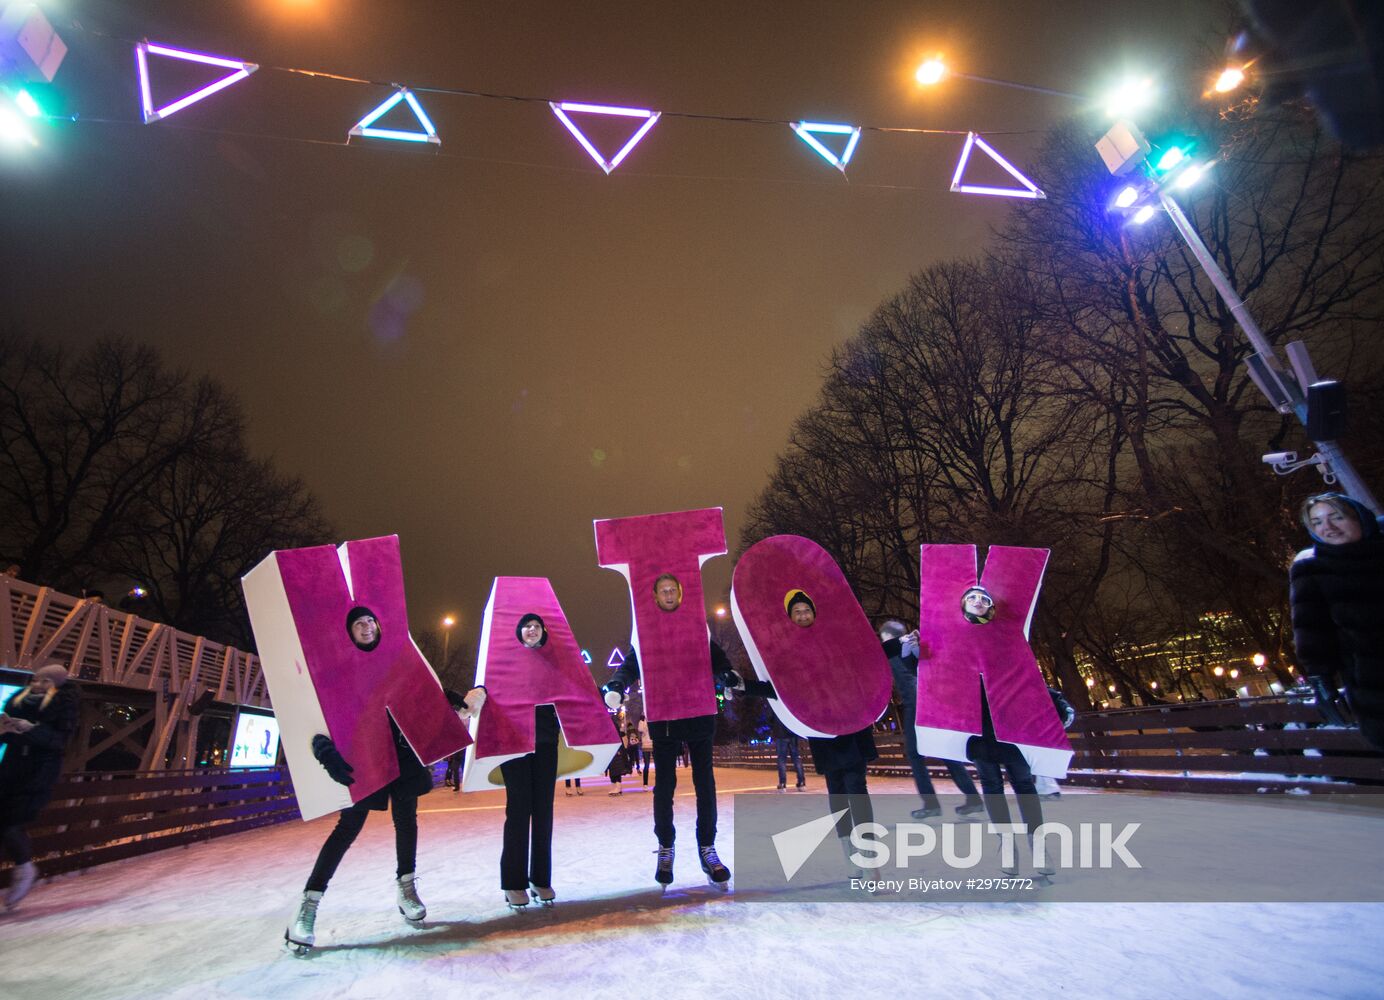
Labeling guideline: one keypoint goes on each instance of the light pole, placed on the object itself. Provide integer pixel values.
(1123, 148)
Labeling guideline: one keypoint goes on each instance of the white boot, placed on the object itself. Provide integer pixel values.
(21, 881)
(853, 870)
(299, 938)
(409, 904)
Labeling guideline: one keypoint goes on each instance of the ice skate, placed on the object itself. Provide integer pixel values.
(853, 870)
(516, 899)
(21, 881)
(663, 874)
(409, 904)
(299, 937)
(717, 874)
(543, 894)
(1044, 870)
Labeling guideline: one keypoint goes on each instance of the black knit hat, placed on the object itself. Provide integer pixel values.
(531, 617)
(355, 615)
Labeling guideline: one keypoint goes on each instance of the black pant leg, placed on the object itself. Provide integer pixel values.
(862, 811)
(544, 787)
(838, 799)
(961, 777)
(14, 840)
(404, 809)
(992, 784)
(343, 835)
(704, 781)
(514, 854)
(1021, 777)
(665, 781)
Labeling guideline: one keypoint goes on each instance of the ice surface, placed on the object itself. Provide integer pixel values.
(207, 922)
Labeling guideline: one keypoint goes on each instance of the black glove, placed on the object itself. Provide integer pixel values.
(1326, 700)
(330, 758)
(730, 680)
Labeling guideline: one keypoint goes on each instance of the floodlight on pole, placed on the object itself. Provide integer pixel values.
(1123, 148)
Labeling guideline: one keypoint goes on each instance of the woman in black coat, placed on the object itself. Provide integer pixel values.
(34, 730)
(1336, 588)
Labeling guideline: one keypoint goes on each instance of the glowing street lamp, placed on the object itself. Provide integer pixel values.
(930, 71)
(1230, 78)
(447, 622)
(1259, 659)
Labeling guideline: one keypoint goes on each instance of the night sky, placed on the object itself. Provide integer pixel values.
(484, 350)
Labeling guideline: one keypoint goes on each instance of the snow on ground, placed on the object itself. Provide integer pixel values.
(207, 922)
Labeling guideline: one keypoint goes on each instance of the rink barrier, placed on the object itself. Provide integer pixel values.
(95, 818)
(1271, 744)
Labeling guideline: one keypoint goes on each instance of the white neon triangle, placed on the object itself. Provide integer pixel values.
(617, 658)
(562, 108)
(808, 132)
(365, 128)
(1029, 189)
(143, 50)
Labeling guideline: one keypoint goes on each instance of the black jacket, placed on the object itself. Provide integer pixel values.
(829, 753)
(33, 760)
(697, 727)
(1337, 596)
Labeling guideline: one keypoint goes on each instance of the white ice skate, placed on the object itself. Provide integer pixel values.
(543, 894)
(299, 937)
(516, 899)
(409, 904)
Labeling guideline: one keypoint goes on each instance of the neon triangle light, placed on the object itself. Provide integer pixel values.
(143, 50)
(807, 132)
(616, 658)
(1029, 189)
(586, 657)
(365, 127)
(650, 119)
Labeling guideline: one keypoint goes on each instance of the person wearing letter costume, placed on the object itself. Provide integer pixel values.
(979, 686)
(362, 714)
(672, 649)
(543, 719)
(902, 651)
(34, 730)
(1337, 594)
(530, 785)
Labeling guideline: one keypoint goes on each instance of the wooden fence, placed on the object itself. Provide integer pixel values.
(1249, 745)
(94, 818)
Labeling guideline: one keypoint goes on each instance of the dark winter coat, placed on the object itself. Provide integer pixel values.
(1337, 596)
(621, 764)
(33, 760)
(414, 778)
(699, 727)
(829, 753)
